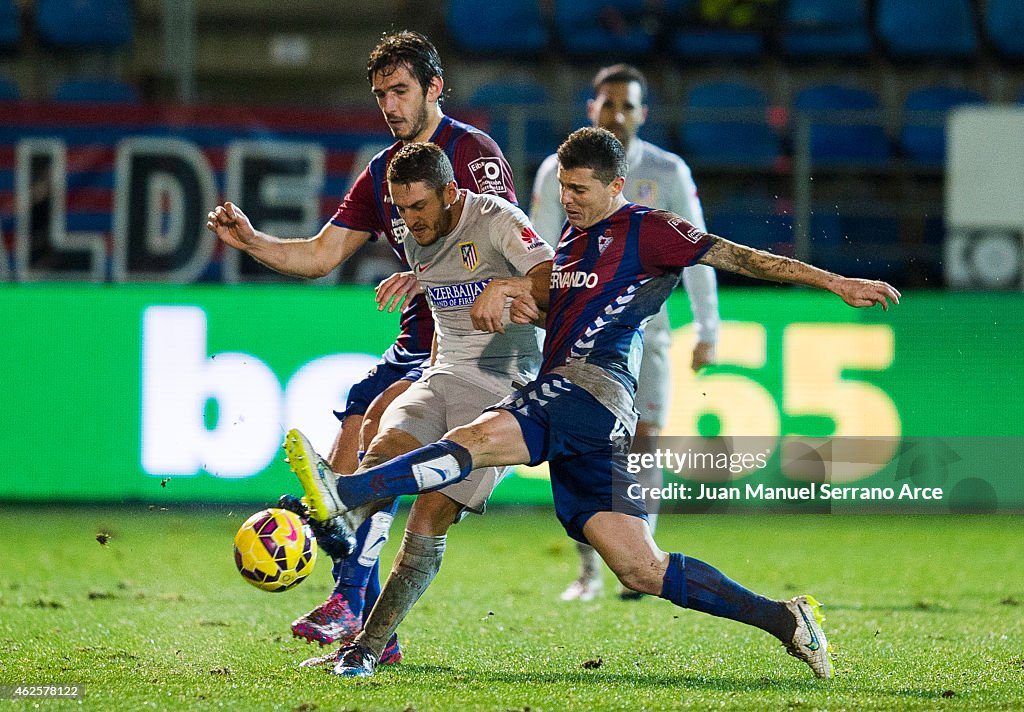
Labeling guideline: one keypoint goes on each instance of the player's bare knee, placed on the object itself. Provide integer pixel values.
(432, 514)
(638, 577)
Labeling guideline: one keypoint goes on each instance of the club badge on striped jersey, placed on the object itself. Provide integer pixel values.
(602, 243)
(470, 259)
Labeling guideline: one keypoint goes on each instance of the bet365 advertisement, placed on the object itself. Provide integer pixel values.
(160, 393)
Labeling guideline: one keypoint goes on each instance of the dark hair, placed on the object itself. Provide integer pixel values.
(620, 73)
(594, 148)
(406, 49)
(426, 162)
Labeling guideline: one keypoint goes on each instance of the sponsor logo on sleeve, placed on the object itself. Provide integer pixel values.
(690, 233)
(531, 239)
(489, 175)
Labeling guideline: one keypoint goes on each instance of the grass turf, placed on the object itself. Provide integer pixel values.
(924, 612)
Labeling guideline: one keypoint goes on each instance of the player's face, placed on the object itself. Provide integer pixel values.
(403, 102)
(619, 108)
(426, 213)
(585, 198)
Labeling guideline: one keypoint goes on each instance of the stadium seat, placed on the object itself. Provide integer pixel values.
(826, 28)
(540, 134)
(10, 24)
(612, 28)
(1003, 21)
(9, 90)
(856, 137)
(696, 39)
(724, 140)
(497, 26)
(914, 29)
(864, 246)
(100, 91)
(754, 220)
(923, 136)
(85, 23)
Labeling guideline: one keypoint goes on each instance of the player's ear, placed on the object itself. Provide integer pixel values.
(451, 194)
(617, 185)
(434, 89)
(591, 111)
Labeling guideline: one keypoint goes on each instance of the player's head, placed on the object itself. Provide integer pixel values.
(620, 101)
(591, 172)
(423, 189)
(405, 74)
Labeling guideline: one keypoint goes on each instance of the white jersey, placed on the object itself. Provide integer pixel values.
(657, 179)
(492, 239)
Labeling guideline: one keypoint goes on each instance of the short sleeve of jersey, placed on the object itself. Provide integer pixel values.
(515, 238)
(358, 209)
(481, 167)
(546, 212)
(669, 242)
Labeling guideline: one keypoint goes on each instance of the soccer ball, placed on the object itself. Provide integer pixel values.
(274, 550)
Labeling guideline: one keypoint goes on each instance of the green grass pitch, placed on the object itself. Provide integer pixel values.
(925, 613)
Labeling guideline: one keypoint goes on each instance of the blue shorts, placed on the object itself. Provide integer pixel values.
(377, 380)
(585, 445)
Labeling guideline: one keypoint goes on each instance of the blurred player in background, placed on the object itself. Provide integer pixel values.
(463, 246)
(407, 79)
(613, 270)
(657, 179)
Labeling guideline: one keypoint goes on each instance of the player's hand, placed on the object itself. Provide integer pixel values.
(866, 292)
(231, 226)
(524, 310)
(395, 291)
(703, 355)
(488, 310)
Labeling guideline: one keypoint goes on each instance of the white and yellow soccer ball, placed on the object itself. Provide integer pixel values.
(275, 550)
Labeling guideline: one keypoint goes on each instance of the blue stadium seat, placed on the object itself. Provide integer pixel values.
(754, 220)
(923, 136)
(857, 137)
(85, 23)
(588, 30)
(914, 29)
(540, 134)
(695, 40)
(826, 28)
(724, 140)
(10, 24)
(505, 26)
(864, 246)
(9, 90)
(1004, 26)
(99, 91)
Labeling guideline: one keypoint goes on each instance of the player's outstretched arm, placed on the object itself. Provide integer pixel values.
(749, 262)
(310, 257)
(529, 293)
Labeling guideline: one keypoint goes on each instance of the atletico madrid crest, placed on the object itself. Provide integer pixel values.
(469, 256)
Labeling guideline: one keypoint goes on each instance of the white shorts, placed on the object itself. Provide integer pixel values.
(434, 405)
(654, 389)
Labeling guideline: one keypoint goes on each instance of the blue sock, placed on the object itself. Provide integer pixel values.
(691, 583)
(426, 469)
(354, 574)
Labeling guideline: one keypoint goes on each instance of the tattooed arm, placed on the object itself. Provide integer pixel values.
(749, 262)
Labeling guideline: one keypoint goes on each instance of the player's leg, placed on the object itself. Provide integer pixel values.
(339, 617)
(492, 440)
(625, 543)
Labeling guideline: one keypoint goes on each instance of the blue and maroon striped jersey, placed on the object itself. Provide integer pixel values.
(479, 166)
(608, 280)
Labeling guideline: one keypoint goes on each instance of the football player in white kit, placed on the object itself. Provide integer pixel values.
(658, 179)
(458, 244)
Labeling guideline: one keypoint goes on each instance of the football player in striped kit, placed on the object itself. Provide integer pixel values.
(615, 265)
(657, 179)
